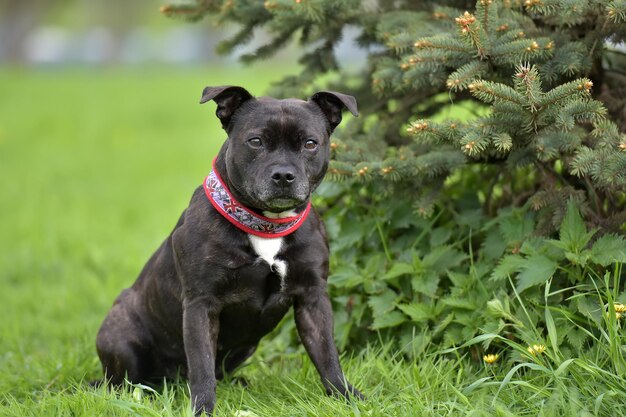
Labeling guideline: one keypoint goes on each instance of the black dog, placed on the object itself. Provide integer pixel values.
(246, 249)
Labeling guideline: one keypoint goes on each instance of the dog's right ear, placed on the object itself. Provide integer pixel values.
(228, 98)
(332, 104)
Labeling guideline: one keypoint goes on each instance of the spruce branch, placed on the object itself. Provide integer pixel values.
(571, 59)
(551, 141)
(525, 50)
(580, 111)
(243, 36)
(428, 57)
(543, 7)
(580, 88)
(528, 83)
(616, 11)
(472, 31)
(612, 170)
(459, 79)
(339, 170)
(487, 10)
(444, 13)
(606, 132)
(428, 74)
(502, 141)
(191, 12)
(490, 92)
(508, 35)
(474, 143)
(269, 49)
(602, 30)
(444, 42)
(432, 132)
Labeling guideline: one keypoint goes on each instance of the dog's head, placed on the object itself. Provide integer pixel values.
(277, 151)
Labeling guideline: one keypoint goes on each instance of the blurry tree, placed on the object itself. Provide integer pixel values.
(17, 19)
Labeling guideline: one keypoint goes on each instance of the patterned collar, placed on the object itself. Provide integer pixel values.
(243, 218)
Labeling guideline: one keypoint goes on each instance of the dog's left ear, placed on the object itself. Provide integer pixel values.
(228, 98)
(332, 104)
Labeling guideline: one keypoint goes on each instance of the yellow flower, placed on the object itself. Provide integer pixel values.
(490, 358)
(620, 310)
(536, 349)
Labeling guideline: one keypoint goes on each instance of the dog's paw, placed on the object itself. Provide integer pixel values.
(203, 411)
(345, 391)
(203, 407)
(355, 393)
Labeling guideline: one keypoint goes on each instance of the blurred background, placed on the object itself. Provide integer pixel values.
(102, 143)
(99, 32)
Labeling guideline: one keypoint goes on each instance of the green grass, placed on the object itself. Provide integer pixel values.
(96, 166)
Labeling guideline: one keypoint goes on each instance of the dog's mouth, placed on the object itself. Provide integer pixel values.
(278, 199)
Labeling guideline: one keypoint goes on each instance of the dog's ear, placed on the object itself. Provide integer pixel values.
(228, 98)
(332, 104)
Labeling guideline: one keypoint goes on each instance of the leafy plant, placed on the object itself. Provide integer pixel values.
(444, 287)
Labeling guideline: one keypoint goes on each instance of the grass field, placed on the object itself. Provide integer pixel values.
(96, 166)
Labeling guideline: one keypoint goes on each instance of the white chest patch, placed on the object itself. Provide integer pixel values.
(267, 249)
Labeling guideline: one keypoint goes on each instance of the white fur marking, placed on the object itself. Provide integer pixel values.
(267, 249)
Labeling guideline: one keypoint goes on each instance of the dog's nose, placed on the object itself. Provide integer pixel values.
(283, 176)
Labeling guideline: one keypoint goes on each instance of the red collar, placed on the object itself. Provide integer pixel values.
(244, 219)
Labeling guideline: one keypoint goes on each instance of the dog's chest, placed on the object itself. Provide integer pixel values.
(267, 250)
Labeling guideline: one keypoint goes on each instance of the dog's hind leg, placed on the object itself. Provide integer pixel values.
(122, 344)
(120, 363)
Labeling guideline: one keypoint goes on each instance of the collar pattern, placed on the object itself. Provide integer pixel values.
(244, 219)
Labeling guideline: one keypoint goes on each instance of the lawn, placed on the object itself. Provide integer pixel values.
(96, 166)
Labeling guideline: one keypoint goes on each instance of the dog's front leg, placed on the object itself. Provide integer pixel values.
(314, 321)
(200, 331)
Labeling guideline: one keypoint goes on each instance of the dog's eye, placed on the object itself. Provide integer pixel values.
(255, 143)
(310, 145)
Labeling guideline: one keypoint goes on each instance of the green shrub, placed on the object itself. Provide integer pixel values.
(447, 279)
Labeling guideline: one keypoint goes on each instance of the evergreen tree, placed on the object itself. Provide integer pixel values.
(542, 73)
